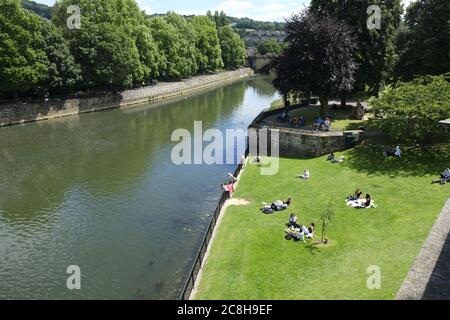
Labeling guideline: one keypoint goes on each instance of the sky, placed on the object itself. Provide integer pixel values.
(263, 10)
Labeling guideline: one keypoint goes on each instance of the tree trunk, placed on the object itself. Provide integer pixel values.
(343, 99)
(323, 106)
(16, 96)
(323, 229)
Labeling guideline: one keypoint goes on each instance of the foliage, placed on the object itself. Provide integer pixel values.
(326, 217)
(411, 110)
(209, 53)
(318, 58)
(63, 74)
(270, 46)
(23, 62)
(424, 41)
(375, 54)
(40, 9)
(232, 47)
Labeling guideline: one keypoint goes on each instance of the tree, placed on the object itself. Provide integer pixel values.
(23, 62)
(232, 47)
(326, 217)
(105, 46)
(410, 111)
(209, 54)
(174, 63)
(375, 54)
(424, 40)
(63, 74)
(271, 46)
(186, 37)
(318, 59)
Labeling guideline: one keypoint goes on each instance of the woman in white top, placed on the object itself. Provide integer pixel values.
(398, 152)
(306, 175)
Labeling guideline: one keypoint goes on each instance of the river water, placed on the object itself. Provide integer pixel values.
(100, 191)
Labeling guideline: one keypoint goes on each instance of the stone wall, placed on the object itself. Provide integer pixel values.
(16, 113)
(304, 144)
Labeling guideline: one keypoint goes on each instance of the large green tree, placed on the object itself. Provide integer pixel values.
(232, 47)
(318, 59)
(209, 53)
(63, 74)
(376, 47)
(424, 40)
(23, 62)
(106, 43)
(411, 110)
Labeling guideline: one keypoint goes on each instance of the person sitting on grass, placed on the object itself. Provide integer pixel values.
(305, 176)
(445, 177)
(293, 221)
(355, 196)
(309, 232)
(295, 122)
(397, 152)
(368, 202)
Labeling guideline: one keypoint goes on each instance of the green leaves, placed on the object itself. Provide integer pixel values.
(410, 111)
(233, 48)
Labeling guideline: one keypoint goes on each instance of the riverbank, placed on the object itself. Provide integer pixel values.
(250, 259)
(18, 113)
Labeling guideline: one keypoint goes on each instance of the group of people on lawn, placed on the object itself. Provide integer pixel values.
(300, 121)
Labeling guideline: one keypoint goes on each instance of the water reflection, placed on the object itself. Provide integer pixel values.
(99, 190)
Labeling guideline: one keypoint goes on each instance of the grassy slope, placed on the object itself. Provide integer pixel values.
(250, 259)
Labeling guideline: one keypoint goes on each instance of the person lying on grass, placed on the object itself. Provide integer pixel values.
(305, 176)
(277, 205)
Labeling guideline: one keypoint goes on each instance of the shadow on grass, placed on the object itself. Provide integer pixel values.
(312, 248)
(415, 161)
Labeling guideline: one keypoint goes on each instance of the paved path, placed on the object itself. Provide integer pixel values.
(429, 277)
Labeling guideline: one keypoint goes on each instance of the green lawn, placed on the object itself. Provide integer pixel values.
(311, 113)
(250, 259)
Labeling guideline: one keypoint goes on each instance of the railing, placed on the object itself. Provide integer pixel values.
(190, 282)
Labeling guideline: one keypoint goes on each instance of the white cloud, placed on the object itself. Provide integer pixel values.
(143, 4)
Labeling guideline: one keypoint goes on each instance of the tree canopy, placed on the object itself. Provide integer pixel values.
(410, 111)
(318, 59)
(116, 46)
(375, 54)
(23, 62)
(424, 40)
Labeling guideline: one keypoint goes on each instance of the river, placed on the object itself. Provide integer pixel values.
(100, 191)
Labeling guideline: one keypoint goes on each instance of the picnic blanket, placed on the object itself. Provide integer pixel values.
(359, 204)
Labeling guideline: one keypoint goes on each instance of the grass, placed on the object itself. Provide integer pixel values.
(250, 259)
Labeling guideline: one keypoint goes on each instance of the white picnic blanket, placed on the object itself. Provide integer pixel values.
(360, 204)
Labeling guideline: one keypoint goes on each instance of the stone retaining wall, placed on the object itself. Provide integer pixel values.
(16, 113)
(297, 143)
